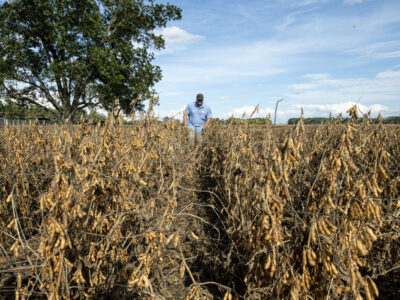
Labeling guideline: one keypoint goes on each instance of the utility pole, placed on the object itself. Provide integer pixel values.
(276, 108)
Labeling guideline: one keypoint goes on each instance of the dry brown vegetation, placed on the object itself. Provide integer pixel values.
(119, 212)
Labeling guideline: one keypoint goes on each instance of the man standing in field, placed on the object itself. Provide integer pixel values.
(197, 117)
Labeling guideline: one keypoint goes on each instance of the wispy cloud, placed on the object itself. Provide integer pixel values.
(380, 50)
(392, 54)
(384, 82)
(291, 18)
(392, 73)
(225, 63)
(317, 76)
(351, 2)
(297, 3)
(345, 54)
(308, 2)
(282, 52)
(304, 86)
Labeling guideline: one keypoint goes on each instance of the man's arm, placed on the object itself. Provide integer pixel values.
(186, 112)
(209, 115)
(207, 122)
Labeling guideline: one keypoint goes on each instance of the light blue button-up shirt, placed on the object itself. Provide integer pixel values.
(197, 116)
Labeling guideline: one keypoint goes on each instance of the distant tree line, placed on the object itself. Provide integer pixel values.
(12, 110)
(239, 121)
(387, 120)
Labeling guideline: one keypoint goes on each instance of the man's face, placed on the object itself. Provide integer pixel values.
(199, 102)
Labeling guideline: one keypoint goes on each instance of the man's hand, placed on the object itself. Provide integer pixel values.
(207, 122)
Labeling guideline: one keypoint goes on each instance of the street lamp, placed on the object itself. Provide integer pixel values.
(276, 108)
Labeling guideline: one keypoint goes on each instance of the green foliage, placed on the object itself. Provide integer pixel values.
(12, 110)
(94, 116)
(259, 121)
(239, 121)
(389, 120)
(218, 121)
(292, 121)
(80, 54)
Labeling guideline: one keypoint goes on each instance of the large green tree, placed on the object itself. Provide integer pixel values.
(78, 54)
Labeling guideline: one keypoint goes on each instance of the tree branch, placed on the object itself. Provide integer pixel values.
(25, 98)
(49, 97)
(86, 104)
(54, 58)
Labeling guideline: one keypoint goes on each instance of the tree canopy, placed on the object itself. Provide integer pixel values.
(73, 55)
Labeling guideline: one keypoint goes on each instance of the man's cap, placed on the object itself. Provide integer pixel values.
(199, 96)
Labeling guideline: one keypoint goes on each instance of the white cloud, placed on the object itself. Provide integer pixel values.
(392, 54)
(176, 39)
(326, 40)
(296, 3)
(257, 59)
(289, 47)
(243, 10)
(320, 95)
(356, 34)
(173, 113)
(308, 2)
(176, 35)
(323, 110)
(310, 110)
(317, 76)
(278, 54)
(292, 18)
(303, 86)
(351, 2)
(385, 82)
(381, 50)
(389, 74)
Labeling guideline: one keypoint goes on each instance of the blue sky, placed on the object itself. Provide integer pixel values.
(322, 55)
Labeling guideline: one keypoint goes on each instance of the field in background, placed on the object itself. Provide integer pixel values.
(283, 212)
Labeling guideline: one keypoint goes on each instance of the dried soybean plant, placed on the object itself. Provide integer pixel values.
(91, 210)
(106, 210)
(305, 207)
